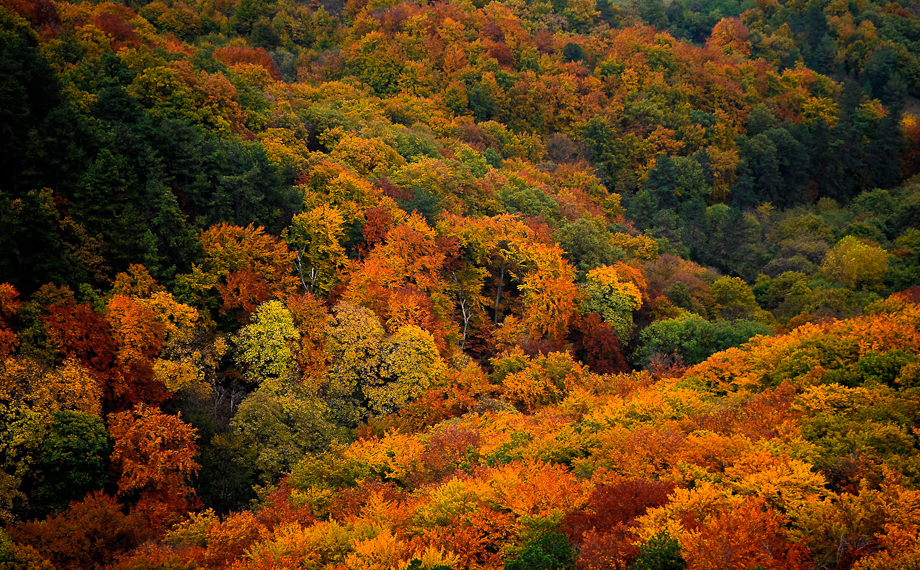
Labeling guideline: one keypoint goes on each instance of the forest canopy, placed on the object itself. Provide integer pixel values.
(392, 284)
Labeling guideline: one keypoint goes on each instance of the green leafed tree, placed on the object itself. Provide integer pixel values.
(677, 180)
(265, 345)
(856, 264)
(73, 460)
(613, 299)
(316, 238)
(661, 552)
(354, 337)
(274, 433)
(587, 244)
(409, 366)
(552, 552)
(693, 339)
(732, 299)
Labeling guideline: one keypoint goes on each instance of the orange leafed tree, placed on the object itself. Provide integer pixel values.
(911, 128)
(136, 282)
(309, 316)
(243, 292)
(154, 454)
(545, 380)
(400, 280)
(743, 537)
(550, 304)
(231, 248)
(731, 35)
(251, 265)
(139, 333)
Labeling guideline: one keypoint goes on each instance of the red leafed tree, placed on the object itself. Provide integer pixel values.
(610, 506)
(601, 529)
(446, 451)
(596, 344)
(279, 509)
(253, 56)
(909, 295)
(9, 305)
(83, 334)
(123, 33)
(123, 368)
(154, 454)
(40, 13)
(378, 222)
(90, 534)
(243, 292)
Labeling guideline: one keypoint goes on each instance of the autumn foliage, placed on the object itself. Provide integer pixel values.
(459, 285)
(248, 56)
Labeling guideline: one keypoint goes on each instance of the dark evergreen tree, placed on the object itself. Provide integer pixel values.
(642, 208)
(694, 229)
(552, 552)
(73, 460)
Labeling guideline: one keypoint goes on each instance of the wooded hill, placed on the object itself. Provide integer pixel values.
(462, 285)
